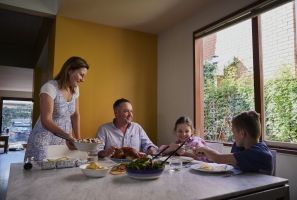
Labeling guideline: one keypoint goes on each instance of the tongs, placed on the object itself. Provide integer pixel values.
(173, 152)
(158, 154)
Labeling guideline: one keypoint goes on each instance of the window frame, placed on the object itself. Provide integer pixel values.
(250, 12)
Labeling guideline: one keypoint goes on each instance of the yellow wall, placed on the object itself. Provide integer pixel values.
(123, 63)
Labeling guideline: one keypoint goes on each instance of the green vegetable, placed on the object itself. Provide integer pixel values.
(144, 163)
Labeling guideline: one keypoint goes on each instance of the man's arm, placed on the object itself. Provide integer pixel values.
(146, 144)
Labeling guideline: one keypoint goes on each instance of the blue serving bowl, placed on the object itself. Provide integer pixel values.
(145, 174)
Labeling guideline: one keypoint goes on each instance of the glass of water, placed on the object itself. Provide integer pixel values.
(175, 164)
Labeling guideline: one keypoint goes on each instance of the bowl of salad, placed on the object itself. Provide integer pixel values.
(144, 168)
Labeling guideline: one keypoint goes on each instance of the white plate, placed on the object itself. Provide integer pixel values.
(184, 159)
(211, 167)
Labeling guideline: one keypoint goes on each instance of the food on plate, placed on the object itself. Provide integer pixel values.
(90, 140)
(126, 153)
(213, 167)
(118, 169)
(144, 163)
(94, 170)
(94, 165)
(206, 166)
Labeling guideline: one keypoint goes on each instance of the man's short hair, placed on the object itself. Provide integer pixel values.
(118, 102)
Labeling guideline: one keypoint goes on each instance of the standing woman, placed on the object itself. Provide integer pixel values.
(59, 120)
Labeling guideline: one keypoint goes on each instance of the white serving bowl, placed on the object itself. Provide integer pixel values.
(95, 173)
(89, 147)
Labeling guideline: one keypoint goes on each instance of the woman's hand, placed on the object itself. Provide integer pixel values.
(70, 145)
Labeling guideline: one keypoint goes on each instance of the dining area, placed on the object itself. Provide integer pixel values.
(191, 179)
(186, 183)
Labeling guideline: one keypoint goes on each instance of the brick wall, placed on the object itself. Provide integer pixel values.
(278, 42)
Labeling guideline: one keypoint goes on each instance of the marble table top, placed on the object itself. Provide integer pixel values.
(70, 183)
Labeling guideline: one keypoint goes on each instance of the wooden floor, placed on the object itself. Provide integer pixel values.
(5, 160)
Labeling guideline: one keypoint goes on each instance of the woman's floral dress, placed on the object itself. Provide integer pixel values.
(40, 138)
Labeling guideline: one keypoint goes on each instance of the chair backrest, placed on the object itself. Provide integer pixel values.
(273, 152)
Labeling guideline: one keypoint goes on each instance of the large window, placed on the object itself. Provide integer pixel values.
(248, 63)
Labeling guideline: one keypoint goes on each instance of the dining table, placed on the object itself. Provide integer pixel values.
(185, 184)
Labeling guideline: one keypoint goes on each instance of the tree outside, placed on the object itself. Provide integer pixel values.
(231, 93)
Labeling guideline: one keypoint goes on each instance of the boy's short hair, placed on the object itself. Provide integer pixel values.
(248, 121)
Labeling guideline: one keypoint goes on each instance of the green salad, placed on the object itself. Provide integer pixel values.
(144, 163)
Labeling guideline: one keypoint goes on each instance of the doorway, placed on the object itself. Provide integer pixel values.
(16, 121)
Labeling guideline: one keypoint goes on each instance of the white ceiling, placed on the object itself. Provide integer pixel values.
(150, 16)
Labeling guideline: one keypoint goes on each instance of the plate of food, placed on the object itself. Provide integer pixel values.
(118, 169)
(183, 159)
(124, 154)
(211, 167)
(94, 170)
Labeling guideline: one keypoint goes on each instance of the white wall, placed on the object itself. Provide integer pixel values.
(175, 65)
(16, 82)
(175, 77)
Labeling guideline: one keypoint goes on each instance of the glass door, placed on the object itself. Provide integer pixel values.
(16, 121)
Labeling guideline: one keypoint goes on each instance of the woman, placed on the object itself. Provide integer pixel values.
(59, 119)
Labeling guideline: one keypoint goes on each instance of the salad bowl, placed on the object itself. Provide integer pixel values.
(145, 169)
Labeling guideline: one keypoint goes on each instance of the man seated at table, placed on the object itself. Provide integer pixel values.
(122, 132)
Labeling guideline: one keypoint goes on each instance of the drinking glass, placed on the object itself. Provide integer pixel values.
(175, 164)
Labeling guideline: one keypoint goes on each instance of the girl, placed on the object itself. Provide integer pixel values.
(184, 129)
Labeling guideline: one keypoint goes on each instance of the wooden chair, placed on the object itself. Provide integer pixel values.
(273, 162)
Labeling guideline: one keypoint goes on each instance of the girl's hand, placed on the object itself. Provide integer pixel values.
(173, 147)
